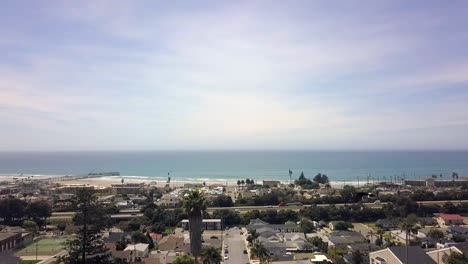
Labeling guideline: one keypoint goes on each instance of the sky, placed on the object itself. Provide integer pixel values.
(189, 75)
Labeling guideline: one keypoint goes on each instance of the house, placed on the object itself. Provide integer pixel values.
(169, 200)
(387, 224)
(449, 219)
(127, 188)
(458, 230)
(429, 242)
(120, 254)
(247, 194)
(341, 239)
(363, 247)
(271, 183)
(278, 251)
(444, 243)
(266, 232)
(286, 228)
(320, 258)
(156, 237)
(295, 237)
(171, 243)
(8, 257)
(397, 255)
(140, 250)
(9, 241)
(401, 236)
(426, 221)
(164, 257)
(207, 224)
(439, 255)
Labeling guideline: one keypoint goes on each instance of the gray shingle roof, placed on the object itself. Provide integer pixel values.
(415, 255)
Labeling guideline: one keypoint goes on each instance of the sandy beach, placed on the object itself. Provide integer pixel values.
(109, 181)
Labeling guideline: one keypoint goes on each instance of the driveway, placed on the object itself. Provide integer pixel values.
(236, 247)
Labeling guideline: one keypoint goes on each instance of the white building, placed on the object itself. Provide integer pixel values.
(140, 250)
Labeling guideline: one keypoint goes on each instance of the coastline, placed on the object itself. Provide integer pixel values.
(108, 181)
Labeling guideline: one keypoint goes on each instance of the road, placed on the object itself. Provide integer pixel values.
(130, 213)
(364, 230)
(372, 205)
(236, 247)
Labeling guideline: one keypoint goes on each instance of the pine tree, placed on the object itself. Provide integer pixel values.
(87, 247)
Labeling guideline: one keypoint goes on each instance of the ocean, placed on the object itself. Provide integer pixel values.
(229, 166)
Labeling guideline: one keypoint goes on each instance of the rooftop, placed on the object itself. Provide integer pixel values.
(4, 236)
(205, 221)
(415, 254)
(451, 217)
(138, 247)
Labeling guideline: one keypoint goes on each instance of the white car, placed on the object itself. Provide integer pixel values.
(226, 257)
(225, 246)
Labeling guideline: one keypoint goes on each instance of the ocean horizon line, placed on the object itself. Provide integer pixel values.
(350, 150)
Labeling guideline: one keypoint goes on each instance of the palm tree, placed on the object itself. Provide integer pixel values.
(409, 226)
(194, 204)
(380, 232)
(371, 235)
(252, 237)
(259, 251)
(211, 255)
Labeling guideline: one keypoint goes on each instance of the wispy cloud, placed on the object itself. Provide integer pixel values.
(126, 75)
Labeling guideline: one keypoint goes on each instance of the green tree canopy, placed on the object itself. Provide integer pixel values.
(321, 178)
(343, 226)
(184, 259)
(435, 233)
(305, 183)
(456, 258)
(139, 237)
(87, 246)
(211, 255)
(31, 226)
(357, 257)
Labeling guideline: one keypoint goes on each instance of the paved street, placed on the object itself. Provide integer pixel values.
(364, 230)
(236, 246)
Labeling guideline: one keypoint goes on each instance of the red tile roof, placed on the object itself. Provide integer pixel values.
(448, 217)
(156, 236)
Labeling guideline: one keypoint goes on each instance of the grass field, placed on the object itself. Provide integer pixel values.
(45, 247)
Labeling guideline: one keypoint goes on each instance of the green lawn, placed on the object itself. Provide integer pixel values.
(45, 247)
(30, 261)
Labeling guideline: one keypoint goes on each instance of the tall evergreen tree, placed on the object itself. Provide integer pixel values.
(87, 247)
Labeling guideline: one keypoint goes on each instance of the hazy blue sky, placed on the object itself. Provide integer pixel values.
(152, 75)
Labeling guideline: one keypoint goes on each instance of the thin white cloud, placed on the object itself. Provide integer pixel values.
(226, 79)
